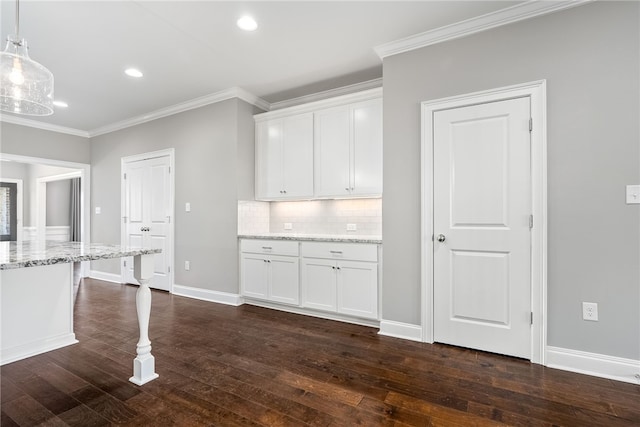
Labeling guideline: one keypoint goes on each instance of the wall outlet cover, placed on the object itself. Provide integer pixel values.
(590, 311)
(352, 227)
(288, 226)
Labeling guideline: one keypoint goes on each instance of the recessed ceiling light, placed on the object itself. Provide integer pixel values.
(60, 104)
(247, 23)
(133, 72)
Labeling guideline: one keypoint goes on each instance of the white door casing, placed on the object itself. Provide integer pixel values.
(481, 202)
(147, 213)
(469, 260)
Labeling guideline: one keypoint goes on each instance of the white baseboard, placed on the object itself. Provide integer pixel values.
(107, 277)
(405, 331)
(599, 365)
(207, 295)
(23, 351)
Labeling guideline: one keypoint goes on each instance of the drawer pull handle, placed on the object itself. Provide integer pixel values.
(335, 252)
(267, 247)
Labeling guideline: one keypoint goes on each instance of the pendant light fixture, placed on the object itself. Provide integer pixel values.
(26, 87)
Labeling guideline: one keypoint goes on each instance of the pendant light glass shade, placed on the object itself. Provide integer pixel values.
(26, 87)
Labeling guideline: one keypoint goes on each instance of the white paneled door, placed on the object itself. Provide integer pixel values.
(147, 215)
(481, 224)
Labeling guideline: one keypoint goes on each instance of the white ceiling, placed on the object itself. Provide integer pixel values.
(189, 49)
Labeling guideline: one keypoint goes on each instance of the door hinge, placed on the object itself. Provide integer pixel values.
(169, 169)
(530, 221)
(125, 176)
(168, 219)
(125, 263)
(532, 317)
(169, 269)
(530, 124)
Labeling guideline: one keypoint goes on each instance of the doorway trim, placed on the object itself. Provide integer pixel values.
(170, 152)
(41, 199)
(85, 191)
(536, 91)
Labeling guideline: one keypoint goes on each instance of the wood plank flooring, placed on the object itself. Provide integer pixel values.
(248, 366)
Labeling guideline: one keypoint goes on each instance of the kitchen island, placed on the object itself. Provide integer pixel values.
(36, 291)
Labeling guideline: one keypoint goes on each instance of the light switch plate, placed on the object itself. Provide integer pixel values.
(633, 194)
(187, 207)
(98, 210)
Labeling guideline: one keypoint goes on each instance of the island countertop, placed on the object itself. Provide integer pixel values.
(33, 253)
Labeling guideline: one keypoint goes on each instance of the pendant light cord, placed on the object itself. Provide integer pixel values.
(18, 19)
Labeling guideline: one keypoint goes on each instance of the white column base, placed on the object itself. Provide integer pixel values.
(144, 369)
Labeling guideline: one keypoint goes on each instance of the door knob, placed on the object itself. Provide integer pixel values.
(441, 238)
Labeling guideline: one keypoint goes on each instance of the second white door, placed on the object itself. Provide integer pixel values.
(147, 215)
(481, 220)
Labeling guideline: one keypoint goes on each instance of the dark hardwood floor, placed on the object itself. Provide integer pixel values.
(226, 366)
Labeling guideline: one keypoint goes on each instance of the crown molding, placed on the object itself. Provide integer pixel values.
(519, 12)
(337, 101)
(223, 95)
(42, 125)
(252, 99)
(331, 93)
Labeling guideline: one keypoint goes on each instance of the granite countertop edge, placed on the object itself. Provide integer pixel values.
(89, 252)
(314, 238)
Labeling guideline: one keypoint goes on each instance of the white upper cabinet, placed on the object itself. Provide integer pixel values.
(348, 150)
(324, 149)
(284, 158)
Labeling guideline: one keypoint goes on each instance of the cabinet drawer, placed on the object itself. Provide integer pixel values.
(350, 251)
(278, 247)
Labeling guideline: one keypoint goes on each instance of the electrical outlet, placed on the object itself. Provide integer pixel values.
(352, 227)
(187, 265)
(590, 311)
(288, 226)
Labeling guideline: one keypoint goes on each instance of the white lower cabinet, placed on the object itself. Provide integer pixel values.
(319, 284)
(337, 284)
(270, 271)
(331, 277)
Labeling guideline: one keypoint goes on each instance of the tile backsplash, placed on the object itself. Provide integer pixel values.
(253, 217)
(312, 217)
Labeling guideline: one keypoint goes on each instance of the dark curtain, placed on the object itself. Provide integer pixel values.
(75, 229)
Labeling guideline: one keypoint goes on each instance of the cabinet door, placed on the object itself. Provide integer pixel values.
(254, 276)
(269, 159)
(366, 167)
(332, 129)
(319, 284)
(283, 281)
(297, 156)
(358, 288)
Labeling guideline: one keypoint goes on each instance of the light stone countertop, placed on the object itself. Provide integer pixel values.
(350, 238)
(33, 253)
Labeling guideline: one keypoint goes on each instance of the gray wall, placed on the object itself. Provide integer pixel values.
(211, 155)
(58, 202)
(32, 142)
(590, 58)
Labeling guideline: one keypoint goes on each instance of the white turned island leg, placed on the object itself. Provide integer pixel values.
(144, 364)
